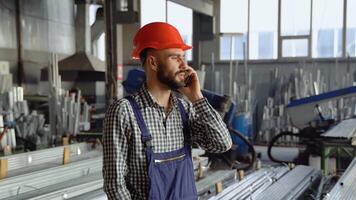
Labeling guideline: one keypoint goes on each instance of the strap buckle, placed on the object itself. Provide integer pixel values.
(146, 141)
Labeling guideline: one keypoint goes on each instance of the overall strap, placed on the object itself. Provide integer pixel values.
(145, 135)
(185, 118)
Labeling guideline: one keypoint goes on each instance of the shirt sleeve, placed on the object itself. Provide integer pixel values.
(115, 149)
(208, 129)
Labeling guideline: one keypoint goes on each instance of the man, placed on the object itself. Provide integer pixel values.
(147, 136)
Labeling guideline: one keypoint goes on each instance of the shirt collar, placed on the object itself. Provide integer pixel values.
(148, 100)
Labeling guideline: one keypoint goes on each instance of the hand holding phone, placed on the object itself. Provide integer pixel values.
(191, 88)
(188, 80)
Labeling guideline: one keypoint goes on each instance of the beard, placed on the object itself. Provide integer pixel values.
(169, 79)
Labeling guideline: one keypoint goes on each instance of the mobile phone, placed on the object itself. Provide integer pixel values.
(188, 80)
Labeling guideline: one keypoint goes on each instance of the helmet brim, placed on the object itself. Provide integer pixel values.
(136, 52)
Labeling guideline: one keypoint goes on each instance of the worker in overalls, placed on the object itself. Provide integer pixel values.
(148, 135)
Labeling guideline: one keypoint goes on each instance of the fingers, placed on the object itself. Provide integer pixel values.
(190, 71)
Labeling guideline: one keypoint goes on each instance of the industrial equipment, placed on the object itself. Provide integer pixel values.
(319, 119)
(308, 111)
(345, 188)
(274, 183)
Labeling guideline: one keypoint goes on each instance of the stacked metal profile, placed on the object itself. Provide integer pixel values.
(345, 129)
(93, 190)
(63, 182)
(292, 185)
(252, 184)
(7, 136)
(50, 155)
(40, 182)
(238, 86)
(5, 87)
(275, 119)
(198, 160)
(5, 77)
(345, 188)
(94, 195)
(66, 190)
(15, 114)
(65, 109)
(272, 184)
(211, 178)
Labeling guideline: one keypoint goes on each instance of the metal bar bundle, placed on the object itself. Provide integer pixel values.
(5, 77)
(23, 160)
(66, 190)
(13, 186)
(89, 187)
(212, 178)
(8, 139)
(93, 195)
(65, 108)
(15, 106)
(52, 97)
(199, 161)
(292, 185)
(5, 83)
(345, 129)
(197, 152)
(252, 184)
(345, 188)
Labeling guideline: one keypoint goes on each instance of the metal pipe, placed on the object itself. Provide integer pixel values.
(66, 190)
(24, 160)
(110, 38)
(40, 179)
(20, 69)
(345, 188)
(292, 185)
(253, 184)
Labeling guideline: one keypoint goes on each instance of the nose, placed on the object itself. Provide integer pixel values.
(182, 62)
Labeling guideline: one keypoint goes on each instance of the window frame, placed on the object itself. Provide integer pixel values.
(282, 38)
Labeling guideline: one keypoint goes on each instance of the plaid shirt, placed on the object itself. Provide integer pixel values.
(124, 163)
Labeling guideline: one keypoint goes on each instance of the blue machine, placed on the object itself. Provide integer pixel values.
(314, 127)
(303, 111)
(242, 124)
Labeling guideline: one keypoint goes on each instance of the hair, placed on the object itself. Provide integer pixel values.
(143, 56)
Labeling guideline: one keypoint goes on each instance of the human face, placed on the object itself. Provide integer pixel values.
(171, 68)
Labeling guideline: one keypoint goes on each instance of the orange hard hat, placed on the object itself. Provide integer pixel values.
(157, 35)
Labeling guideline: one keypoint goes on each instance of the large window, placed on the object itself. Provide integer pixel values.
(153, 11)
(263, 29)
(351, 28)
(327, 28)
(234, 27)
(295, 28)
(182, 18)
(295, 48)
(295, 17)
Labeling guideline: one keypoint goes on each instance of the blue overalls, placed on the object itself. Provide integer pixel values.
(171, 174)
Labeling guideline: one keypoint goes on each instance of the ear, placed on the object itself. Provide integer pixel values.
(152, 62)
